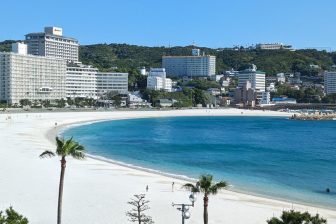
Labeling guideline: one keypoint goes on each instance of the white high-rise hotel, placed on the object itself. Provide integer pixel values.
(51, 43)
(47, 68)
(191, 66)
(24, 76)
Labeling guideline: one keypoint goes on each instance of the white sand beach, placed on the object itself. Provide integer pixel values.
(96, 192)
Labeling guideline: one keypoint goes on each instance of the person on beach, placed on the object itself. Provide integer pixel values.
(173, 186)
(147, 188)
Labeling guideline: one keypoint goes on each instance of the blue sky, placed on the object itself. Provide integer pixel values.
(210, 23)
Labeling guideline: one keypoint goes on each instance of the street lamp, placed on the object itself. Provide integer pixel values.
(184, 208)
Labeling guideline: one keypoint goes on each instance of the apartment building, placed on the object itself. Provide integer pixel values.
(330, 82)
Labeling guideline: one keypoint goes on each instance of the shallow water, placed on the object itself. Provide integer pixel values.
(276, 157)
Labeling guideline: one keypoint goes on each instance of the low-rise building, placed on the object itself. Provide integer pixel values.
(273, 46)
(283, 100)
(135, 101)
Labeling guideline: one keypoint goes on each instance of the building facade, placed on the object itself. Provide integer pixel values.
(273, 46)
(51, 43)
(157, 80)
(111, 82)
(31, 77)
(190, 66)
(81, 81)
(255, 77)
(330, 82)
(245, 95)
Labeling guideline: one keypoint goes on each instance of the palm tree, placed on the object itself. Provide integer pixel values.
(64, 148)
(206, 186)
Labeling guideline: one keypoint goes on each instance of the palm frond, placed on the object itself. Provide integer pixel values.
(218, 186)
(46, 154)
(205, 182)
(78, 154)
(191, 187)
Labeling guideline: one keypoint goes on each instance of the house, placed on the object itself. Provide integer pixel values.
(166, 102)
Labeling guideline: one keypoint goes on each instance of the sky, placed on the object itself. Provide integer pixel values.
(207, 23)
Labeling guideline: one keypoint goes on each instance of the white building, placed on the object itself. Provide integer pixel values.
(85, 81)
(135, 100)
(255, 77)
(143, 71)
(81, 81)
(112, 82)
(273, 46)
(190, 66)
(157, 80)
(52, 43)
(31, 77)
(265, 98)
(330, 82)
(281, 78)
(271, 88)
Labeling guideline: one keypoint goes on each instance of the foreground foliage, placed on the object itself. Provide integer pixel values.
(12, 217)
(294, 217)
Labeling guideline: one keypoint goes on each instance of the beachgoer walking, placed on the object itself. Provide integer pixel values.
(173, 186)
(147, 188)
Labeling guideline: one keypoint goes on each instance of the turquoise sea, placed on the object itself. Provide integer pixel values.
(269, 156)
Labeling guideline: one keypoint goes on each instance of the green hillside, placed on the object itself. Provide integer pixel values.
(129, 57)
(106, 56)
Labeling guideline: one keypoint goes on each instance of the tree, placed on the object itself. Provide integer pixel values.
(140, 205)
(12, 217)
(64, 148)
(25, 102)
(206, 186)
(294, 217)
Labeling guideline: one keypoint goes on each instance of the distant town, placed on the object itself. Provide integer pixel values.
(44, 71)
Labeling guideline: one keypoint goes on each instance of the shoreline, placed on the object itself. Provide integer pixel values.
(64, 127)
(104, 196)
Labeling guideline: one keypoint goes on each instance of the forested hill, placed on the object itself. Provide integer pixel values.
(130, 56)
(124, 56)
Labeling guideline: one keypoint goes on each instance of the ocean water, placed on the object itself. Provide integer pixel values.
(270, 156)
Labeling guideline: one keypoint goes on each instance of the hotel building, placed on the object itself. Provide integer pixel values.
(330, 82)
(81, 81)
(255, 77)
(111, 82)
(190, 66)
(51, 43)
(31, 77)
(157, 80)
